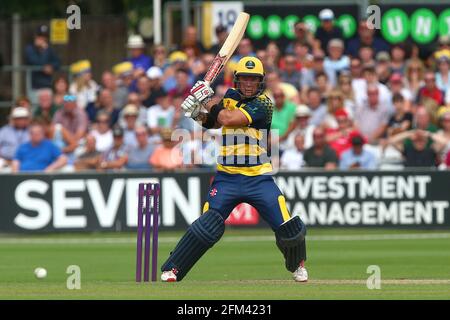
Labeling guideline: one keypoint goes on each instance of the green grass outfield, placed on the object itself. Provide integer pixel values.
(245, 264)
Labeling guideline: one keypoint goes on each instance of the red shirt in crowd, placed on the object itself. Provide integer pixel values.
(343, 143)
(447, 160)
(180, 92)
(435, 94)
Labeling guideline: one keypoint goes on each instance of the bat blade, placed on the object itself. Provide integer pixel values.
(228, 47)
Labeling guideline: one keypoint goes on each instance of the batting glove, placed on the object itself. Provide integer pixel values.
(191, 107)
(202, 92)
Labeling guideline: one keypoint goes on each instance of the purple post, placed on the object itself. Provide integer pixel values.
(148, 192)
(139, 236)
(156, 192)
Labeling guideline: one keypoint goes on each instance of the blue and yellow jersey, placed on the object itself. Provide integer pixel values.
(245, 149)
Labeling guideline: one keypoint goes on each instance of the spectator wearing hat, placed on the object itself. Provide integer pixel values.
(39, 53)
(357, 157)
(320, 154)
(104, 103)
(124, 72)
(89, 158)
(83, 86)
(116, 157)
(102, 132)
(402, 119)
(292, 158)
(372, 116)
(45, 109)
(167, 156)
(154, 85)
(302, 35)
(134, 99)
(119, 93)
(72, 118)
(383, 67)
(178, 58)
(39, 154)
(396, 86)
(283, 112)
(140, 154)
(336, 61)
(130, 115)
(179, 61)
(430, 90)
(155, 75)
(365, 37)
(327, 29)
(300, 126)
(290, 74)
(161, 115)
(141, 62)
(14, 134)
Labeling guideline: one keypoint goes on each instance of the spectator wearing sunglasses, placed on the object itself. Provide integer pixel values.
(430, 90)
(283, 112)
(71, 117)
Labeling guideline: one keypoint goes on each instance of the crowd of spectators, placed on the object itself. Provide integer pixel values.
(338, 104)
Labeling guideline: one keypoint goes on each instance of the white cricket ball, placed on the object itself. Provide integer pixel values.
(40, 273)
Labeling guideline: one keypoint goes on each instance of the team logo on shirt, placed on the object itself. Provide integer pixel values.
(213, 192)
(249, 64)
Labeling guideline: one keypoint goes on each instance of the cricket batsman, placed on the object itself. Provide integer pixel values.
(243, 173)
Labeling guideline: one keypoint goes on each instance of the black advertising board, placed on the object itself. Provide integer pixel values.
(108, 202)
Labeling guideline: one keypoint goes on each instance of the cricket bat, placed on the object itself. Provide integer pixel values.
(228, 47)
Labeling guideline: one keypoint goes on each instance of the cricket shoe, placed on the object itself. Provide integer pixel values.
(169, 276)
(300, 275)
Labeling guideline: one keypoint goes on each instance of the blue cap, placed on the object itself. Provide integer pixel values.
(70, 98)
